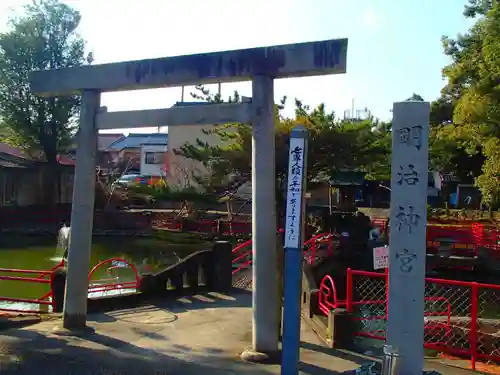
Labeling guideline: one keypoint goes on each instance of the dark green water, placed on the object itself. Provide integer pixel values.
(41, 253)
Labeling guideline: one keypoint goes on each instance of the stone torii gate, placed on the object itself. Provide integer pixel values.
(261, 66)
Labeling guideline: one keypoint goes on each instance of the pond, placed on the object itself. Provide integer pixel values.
(42, 253)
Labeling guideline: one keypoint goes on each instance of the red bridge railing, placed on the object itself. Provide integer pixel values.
(233, 227)
(113, 270)
(463, 240)
(461, 318)
(242, 254)
(487, 237)
(35, 277)
(318, 242)
(112, 281)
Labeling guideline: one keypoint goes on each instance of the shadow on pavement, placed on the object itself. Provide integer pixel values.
(31, 352)
(308, 368)
(179, 303)
(341, 354)
(239, 298)
(128, 349)
(327, 355)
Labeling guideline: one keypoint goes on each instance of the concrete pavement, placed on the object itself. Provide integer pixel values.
(193, 335)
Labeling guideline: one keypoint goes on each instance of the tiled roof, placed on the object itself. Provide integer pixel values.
(66, 160)
(8, 160)
(11, 157)
(8, 149)
(105, 140)
(136, 140)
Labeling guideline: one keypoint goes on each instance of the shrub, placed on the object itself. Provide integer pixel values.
(164, 192)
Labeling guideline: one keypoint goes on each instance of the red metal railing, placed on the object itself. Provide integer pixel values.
(313, 246)
(42, 277)
(487, 237)
(242, 256)
(112, 281)
(100, 286)
(243, 260)
(460, 239)
(202, 226)
(461, 318)
(380, 222)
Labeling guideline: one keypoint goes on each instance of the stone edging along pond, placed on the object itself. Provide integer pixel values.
(12, 320)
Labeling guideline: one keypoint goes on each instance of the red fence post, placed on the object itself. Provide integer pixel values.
(473, 324)
(349, 288)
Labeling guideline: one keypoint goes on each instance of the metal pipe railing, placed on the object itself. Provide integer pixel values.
(390, 361)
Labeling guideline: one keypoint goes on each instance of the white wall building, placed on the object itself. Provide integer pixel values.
(153, 160)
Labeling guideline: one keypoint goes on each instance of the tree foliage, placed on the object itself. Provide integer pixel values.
(43, 37)
(415, 98)
(489, 181)
(333, 144)
(467, 116)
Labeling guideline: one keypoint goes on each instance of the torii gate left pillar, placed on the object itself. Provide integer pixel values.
(261, 66)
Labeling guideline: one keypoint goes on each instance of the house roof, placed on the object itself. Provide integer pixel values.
(13, 157)
(8, 149)
(106, 139)
(68, 160)
(8, 160)
(136, 140)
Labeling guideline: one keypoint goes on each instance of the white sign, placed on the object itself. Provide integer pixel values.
(294, 194)
(381, 257)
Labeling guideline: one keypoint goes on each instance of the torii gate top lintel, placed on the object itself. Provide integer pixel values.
(285, 61)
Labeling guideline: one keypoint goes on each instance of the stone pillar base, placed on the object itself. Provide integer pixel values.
(74, 321)
(269, 358)
(62, 331)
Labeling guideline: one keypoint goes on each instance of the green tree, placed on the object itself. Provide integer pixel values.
(416, 98)
(450, 151)
(333, 145)
(442, 111)
(489, 181)
(43, 37)
(477, 7)
(472, 95)
(3, 130)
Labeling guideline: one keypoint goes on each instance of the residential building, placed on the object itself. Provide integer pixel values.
(106, 156)
(180, 170)
(22, 179)
(126, 150)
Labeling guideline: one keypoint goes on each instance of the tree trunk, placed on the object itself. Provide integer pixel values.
(51, 184)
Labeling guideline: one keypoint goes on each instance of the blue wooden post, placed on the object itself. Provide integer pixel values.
(294, 230)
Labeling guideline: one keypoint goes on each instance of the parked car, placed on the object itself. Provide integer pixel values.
(130, 180)
(127, 181)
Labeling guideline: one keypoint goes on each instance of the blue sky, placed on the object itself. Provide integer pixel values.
(394, 46)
